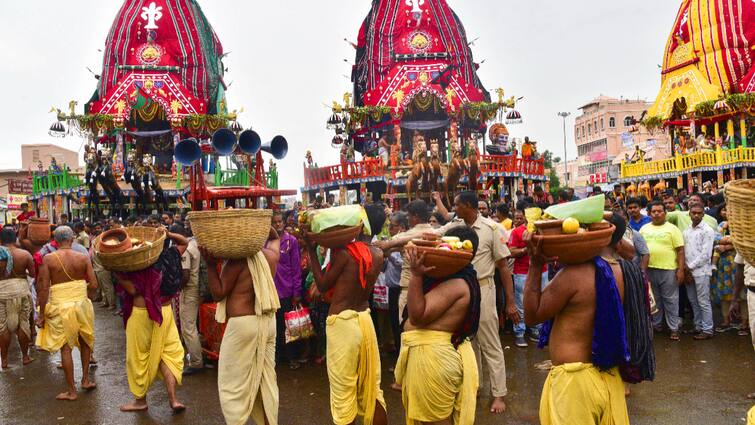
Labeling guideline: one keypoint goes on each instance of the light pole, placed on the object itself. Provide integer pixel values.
(566, 161)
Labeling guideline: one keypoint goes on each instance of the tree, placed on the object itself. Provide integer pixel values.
(555, 182)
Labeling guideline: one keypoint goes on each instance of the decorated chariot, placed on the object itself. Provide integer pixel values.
(419, 115)
(159, 135)
(706, 102)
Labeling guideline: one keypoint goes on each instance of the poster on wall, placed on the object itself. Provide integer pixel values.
(15, 200)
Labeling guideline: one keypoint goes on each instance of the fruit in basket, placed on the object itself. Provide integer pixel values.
(449, 239)
(467, 245)
(570, 226)
(445, 247)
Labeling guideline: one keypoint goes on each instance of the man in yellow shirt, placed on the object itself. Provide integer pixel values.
(666, 269)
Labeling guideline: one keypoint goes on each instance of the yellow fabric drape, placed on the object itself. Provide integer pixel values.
(147, 344)
(247, 382)
(69, 314)
(265, 295)
(437, 379)
(579, 393)
(751, 416)
(15, 306)
(353, 367)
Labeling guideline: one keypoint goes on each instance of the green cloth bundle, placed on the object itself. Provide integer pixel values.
(586, 211)
(347, 215)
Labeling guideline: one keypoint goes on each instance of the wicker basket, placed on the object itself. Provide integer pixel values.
(231, 234)
(135, 259)
(336, 237)
(740, 204)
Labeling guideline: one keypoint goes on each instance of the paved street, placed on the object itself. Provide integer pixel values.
(697, 383)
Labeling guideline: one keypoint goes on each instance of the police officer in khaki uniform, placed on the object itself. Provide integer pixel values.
(492, 254)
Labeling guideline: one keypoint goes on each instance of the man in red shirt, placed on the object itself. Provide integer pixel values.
(518, 248)
(25, 213)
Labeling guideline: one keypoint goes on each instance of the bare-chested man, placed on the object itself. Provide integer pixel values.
(245, 289)
(437, 369)
(152, 341)
(66, 315)
(584, 385)
(354, 381)
(15, 297)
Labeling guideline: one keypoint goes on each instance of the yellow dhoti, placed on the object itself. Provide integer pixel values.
(69, 315)
(247, 383)
(353, 367)
(751, 416)
(579, 393)
(147, 344)
(437, 380)
(15, 306)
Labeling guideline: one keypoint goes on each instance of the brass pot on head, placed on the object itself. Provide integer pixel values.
(187, 151)
(224, 141)
(250, 142)
(278, 147)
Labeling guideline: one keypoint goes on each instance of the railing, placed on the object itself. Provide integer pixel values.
(511, 164)
(53, 181)
(231, 177)
(681, 163)
(344, 171)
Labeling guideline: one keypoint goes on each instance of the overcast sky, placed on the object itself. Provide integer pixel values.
(287, 60)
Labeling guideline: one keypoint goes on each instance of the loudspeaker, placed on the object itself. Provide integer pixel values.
(187, 151)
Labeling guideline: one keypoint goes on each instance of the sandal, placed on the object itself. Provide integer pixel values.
(743, 332)
(674, 336)
(702, 336)
(294, 365)
(722, 328)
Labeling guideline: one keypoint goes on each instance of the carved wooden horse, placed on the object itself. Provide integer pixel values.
(419, 169)
(472, 165)
(133, 177)
(434, 169)
(110, 185)
(90, 179)
(151, 184)
(455, 170)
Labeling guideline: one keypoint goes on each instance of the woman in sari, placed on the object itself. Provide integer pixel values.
(722, 285)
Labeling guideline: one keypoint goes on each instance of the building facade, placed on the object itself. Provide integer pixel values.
(34, 154)
(607, 132)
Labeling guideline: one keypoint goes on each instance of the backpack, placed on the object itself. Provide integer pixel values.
(169, 264)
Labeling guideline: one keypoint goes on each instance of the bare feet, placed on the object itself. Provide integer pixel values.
(136, 406)
(27, 360)
(498, 406)
(627, 390)
(177, 407)
(751, 396)
(88, 385)
(68, 396)
(5, 366)
(396, 387)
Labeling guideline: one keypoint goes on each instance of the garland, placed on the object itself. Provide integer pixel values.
(653, 123)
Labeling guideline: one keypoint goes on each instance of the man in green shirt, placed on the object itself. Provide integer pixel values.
(666, 269)
(682, 220)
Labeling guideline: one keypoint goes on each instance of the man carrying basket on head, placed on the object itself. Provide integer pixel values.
(437, 369)
(153, 346)
(247, 302)
(352, 352)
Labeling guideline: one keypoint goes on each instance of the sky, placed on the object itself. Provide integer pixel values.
(288, 60)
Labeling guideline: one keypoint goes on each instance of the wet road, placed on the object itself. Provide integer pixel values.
(697, 383)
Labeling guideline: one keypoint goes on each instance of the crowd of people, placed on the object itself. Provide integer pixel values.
(373, 301)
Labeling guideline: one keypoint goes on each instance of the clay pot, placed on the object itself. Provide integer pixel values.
(549, 227)
(23, 230)
(425, 242)
(445, 262)
(336, 237)
(39, 230)
(114, 241)
(577, 248)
